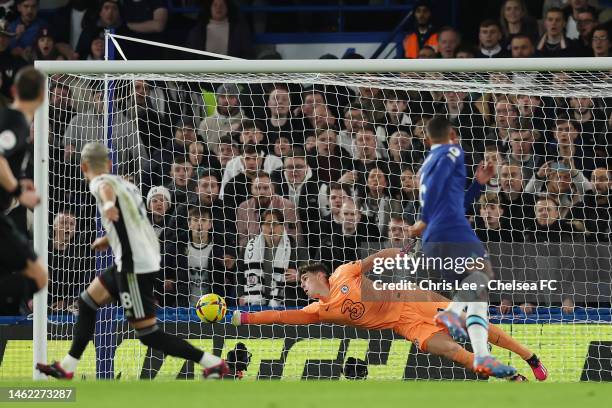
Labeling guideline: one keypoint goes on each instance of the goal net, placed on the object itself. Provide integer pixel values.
(335, 158)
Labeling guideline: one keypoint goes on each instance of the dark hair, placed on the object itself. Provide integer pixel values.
(490, 22)
(249, 149)
(200, 212)
(226, 139)
(334, 185)
(593, 11)
(554, 10)
(29, 84)
(396, 95)
(275, 212)
(261, 173)
(233, 11)
(438, 129)
(313, 267)
(248, 124)
(521, 36)
(210, 173)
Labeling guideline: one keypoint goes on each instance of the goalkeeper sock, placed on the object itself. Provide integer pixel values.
(502, 339)
(83, 331)
(478, 327)
(464, 357)
(168, 344)
(456, 307)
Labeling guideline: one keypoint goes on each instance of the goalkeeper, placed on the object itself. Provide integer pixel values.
(341, 301)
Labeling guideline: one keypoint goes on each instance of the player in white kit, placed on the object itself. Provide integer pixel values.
(130, 280)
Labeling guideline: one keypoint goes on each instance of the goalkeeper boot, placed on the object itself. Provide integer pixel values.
(54, 370)
(454, 325)
(489, 366)
(539, 371)
(217, 371)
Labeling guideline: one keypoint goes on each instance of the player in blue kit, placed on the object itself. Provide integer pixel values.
(446, 233)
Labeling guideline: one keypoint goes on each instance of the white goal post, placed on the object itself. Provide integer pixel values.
(588, 77)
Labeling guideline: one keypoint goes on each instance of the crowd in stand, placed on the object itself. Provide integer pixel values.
(243, 190)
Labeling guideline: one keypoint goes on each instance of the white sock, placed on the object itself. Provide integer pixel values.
(477, 318)
(69, 363)
(209, 360)
(456, 307)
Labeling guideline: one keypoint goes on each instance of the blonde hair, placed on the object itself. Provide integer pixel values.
(95, 155)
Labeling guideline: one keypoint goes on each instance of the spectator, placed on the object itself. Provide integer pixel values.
(221, 30)
(590, 122)
(279, 122)
(399, 235)
(322, 118)
(598, 209)
(568, 143)
(108, 18)
(297, 182)
(493, 156)
(490, 37)
(181, 177)
(159, 204)
(397, 115)
(175, 148)
(600, 42)
(375, 199)
(228, 114)
(71, 262)
(466, 51)
(517, 205)
(371, 101)
(521, 46)
(198, 264)
(586, 22)
(532, 112)
(89, 127)
(145, 19)
(422, 34)
(9, 64)
(68, 23)
(206, 195)
(331, 203)
(270, 266)
(506, 119)
(515, 20)
(153, 127)
(549, 227)
(368, 156)
(228, 150)
(571, 12)
(264, 197)
(490, 223)
(523, 151)
(60, 108)
(561, 181)
(354, 120)
(427, 52)
(554, 43)
(328, 160)
(406, 200)
(26, 27)
(96, 50)
(44, 48)
(342, 245)
(448, 42)
(403, 150)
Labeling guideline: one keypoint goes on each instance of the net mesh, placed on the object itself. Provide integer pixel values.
(341, 153)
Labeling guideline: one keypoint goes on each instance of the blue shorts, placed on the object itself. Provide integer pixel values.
(451, 261)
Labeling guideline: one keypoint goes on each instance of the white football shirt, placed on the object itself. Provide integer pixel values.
(133, 240)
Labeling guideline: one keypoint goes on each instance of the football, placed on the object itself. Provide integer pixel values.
(211, 308)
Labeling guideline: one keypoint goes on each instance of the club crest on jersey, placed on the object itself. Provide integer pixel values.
(344, 289)
(8, 140)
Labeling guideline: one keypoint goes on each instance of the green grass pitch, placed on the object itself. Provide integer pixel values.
(316, 394)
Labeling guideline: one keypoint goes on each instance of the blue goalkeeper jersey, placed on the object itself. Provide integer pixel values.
(443, 196)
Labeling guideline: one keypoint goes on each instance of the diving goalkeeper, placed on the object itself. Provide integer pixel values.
(341, 301)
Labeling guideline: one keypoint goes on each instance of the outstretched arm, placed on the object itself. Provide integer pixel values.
(275, 316)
